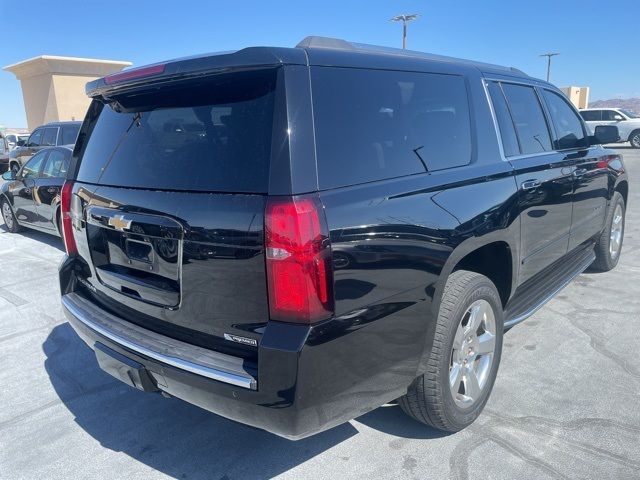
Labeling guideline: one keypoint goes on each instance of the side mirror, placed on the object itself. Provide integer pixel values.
(618, 118)
(605, 134)
(8, 176)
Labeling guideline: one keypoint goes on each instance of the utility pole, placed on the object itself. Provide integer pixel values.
(404, 19)
(549, 55)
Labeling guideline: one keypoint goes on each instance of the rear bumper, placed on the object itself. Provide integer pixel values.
(180, 355)
(308, 379)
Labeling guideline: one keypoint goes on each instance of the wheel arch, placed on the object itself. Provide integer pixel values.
(479, 254)
(9, 199)
(632, 133)
(622, 187)
(494, 257)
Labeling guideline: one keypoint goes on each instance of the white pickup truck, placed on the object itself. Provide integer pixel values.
(628, 122)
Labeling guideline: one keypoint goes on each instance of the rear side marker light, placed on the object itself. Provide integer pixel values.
(134, 73)
(298, 260)
(66, 197)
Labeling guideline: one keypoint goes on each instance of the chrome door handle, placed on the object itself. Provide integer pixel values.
(580, 171)
(51, 190)
(531, 184)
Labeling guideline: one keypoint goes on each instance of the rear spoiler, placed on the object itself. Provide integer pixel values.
(247, 58)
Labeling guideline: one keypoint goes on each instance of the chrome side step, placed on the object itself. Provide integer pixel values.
(178, 354)
(518, 310)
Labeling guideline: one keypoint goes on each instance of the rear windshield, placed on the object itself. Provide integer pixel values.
(212, 135)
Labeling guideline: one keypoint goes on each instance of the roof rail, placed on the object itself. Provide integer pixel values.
(339, 44)
(313, 41)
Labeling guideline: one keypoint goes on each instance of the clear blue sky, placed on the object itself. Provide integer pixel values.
(596, 38)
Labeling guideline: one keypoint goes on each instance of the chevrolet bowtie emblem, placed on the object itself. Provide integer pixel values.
(119, 223)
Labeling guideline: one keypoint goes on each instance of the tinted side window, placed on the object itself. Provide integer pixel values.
(505, 123)
(49, 137)
(526, 111)
(32, 167)
(35, 139)
(610, 115)
(591, 115)
(69, 134)
(54, 164)
(566, 123)
(374, 124)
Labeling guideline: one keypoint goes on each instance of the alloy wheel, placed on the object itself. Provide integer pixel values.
(635, 140)
(7, 215)
(615, 236)
(472, 354)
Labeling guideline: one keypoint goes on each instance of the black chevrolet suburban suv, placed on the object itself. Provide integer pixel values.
(291, 237)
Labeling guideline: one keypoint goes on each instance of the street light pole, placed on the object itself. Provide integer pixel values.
(549, 55)
(404, 19)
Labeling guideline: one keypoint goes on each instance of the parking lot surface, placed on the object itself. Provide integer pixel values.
(566, 403)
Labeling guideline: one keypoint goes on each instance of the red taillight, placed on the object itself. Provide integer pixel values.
(298, 256)
(67, 219)
(605, 161)
(134, 73)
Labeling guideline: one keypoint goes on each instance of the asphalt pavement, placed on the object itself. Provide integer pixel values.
(566, 403)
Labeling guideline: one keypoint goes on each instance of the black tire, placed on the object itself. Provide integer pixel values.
(429, 399)
(605, 259)
(634, 139)
(8, 217)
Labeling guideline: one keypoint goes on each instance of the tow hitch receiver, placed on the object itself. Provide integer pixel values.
(124, 369)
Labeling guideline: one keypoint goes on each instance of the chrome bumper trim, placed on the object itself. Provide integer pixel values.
(199, 361)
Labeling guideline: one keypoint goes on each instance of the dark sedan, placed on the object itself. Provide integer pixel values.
(31, 197)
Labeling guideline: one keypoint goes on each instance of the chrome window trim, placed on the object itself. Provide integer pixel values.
(535, 87)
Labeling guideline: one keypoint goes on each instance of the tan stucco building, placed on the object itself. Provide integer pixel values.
(53, 87)
(579, 96)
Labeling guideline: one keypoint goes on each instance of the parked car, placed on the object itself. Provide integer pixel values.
(31, 197)
(10, 139)
(628, 122)
(342, 226)
(48, 135)
(4, 154)
(15, 138)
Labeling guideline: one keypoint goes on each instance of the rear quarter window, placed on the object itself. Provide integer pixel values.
(591, 115)
(69, 134)
(212, 135)
(373, 124)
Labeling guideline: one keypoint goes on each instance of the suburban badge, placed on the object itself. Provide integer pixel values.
(244, 340)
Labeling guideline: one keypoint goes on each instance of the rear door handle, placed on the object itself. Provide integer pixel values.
(52, 190)
(530, 184)
(580, 171)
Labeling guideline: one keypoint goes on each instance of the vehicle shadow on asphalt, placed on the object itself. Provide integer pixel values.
(47, 239)
(177, 438)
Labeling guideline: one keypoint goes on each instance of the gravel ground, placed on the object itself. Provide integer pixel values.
(566, 403)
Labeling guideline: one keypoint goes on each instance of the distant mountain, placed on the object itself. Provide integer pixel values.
(632, 104)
